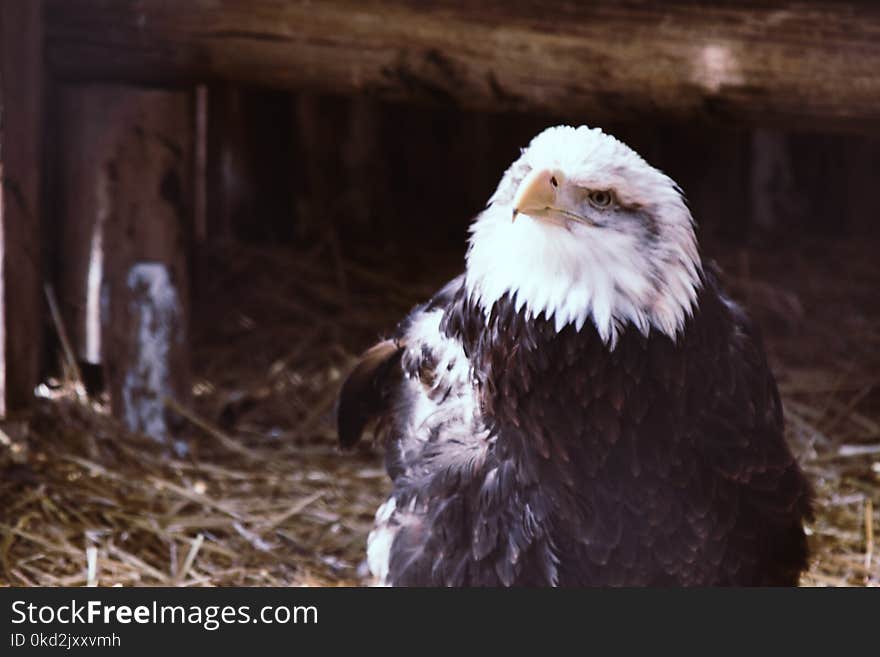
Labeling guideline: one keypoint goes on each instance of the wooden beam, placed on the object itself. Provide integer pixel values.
(21, 300)
(793, 63)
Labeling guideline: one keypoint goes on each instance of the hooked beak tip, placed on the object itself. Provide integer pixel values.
(515, 213)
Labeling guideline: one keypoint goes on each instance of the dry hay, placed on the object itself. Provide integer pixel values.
(264, 498)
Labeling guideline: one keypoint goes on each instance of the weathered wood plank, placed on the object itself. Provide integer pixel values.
(86, 144)
(795, 63)
(21, 81)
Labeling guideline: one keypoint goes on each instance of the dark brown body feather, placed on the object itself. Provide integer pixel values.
(656, 463)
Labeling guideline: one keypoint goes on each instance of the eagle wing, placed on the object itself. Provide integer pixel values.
(369, 392)
(740, 429)
(419, 386)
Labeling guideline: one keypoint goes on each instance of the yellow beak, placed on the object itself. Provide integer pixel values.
(536, 193)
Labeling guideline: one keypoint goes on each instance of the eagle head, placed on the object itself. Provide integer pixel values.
(582, 229)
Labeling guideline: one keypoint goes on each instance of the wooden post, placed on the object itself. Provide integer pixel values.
(775, 201)
(249, 152)
(126, 188)
(225, 162)
(21, 80)
(343, 188)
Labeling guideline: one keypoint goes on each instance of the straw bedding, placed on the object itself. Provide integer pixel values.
(263, 497)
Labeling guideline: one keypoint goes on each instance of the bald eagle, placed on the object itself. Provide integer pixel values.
(582, 406)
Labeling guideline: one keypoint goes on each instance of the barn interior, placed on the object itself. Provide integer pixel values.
(296, 218)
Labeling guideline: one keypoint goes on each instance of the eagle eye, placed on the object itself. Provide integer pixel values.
(600, 199)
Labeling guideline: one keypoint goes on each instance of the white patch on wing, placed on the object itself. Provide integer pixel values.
(450, 400)
(453, 365)
(438, 427)
(380, 540)
(610, 275)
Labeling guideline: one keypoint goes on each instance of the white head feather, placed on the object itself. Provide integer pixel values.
(633, 262)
